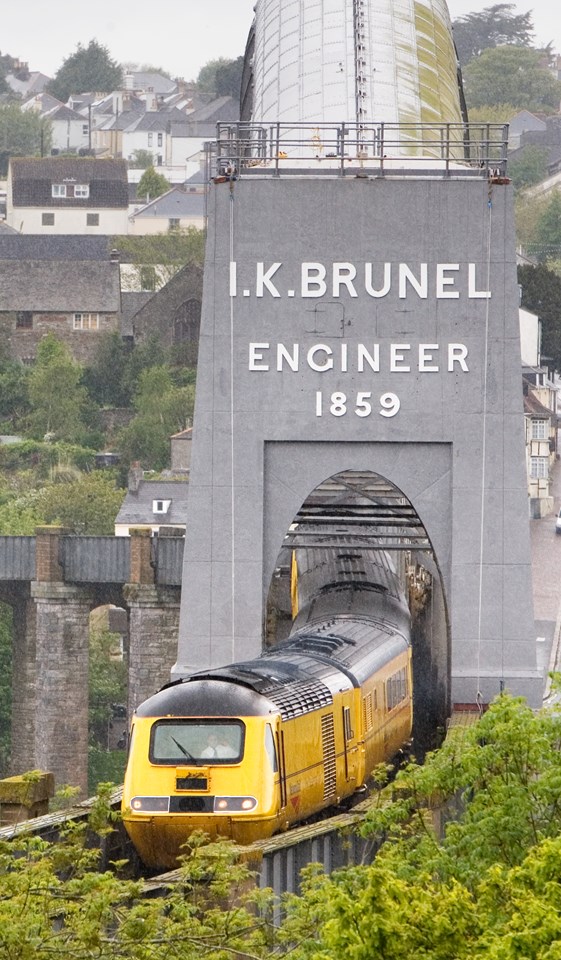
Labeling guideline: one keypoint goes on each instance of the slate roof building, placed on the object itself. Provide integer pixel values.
(174, 210)
(75, 297)
(159, 504)
(67, 195)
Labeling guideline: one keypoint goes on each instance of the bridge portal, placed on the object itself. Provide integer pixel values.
(361, 316)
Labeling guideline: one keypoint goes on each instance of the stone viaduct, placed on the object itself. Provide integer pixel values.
(52, 582)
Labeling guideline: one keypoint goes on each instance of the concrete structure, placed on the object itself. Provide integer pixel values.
(375, 328)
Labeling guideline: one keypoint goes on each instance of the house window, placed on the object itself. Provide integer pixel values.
(161, 506)
(82, 191)
(24, 320)
(86, 321)
(173, 223)
(58, 190)
(47, 219)
(92, 219)
(159, 160)
(540, 430)
(539, 467)
(160, 139)
(85, 129)
(150, 139)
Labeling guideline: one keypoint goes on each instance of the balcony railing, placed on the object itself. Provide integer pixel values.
(347, 149)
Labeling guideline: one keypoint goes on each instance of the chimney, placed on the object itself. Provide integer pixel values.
(151, 100)
(136, 476)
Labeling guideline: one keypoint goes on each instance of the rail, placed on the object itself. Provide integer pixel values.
(350, 149)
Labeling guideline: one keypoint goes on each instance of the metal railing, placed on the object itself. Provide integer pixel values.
(347, 149)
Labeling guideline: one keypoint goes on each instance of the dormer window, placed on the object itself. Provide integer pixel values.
(82, 191)
(61, 191)
(161, 506)
(58, 190)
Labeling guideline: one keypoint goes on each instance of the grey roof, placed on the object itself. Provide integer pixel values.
(61, 112)
(32, 178)
(131, 303)
(35, 83)
(22, 246)
(59, 286)
(143, 80)
(223, 108)
(137, 508)
(175, 203)
(46, 100)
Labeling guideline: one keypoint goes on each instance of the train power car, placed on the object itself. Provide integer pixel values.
(246, 750)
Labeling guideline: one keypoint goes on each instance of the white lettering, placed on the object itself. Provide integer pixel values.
(264, 280)
(313, 280)
(473, 293)
(397, 358)
(425, 357)
(344, 357)
(372, 359)
(457, 353)
(368, 280)
(443, 281)
(320, 348)
(255, 356)
(420, 286)
(291, 359)
(343, 275)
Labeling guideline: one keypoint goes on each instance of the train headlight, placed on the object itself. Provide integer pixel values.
(233, 804)
(150, 804)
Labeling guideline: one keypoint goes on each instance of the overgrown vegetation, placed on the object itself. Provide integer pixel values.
(470, 866)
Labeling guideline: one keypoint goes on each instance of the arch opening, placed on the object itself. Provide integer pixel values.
(357, 514)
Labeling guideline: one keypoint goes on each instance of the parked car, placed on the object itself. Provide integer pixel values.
(558, 523)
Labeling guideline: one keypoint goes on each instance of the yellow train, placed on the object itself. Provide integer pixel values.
(246, 750)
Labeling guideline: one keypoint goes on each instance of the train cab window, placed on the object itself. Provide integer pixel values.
(196, 741)
(347, 725)
(271, 749)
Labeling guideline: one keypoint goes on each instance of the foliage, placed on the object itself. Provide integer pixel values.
(5, 687)
(492, 113)
(87, 504)
(14, 395)
(55, 392)
(177, 249)
(162, 409)
(88, 69)
(548, 228)
(541, 294)
(23, 133)
(529, 168)
(492, 27)
(107, 687)
(221, 78)
(104, 379)
(141, 159)
(512, 75)
(151, 185)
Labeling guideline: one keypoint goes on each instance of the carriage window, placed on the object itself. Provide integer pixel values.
(347, 724)
(196, 741)
(270, 748)
(396, 689)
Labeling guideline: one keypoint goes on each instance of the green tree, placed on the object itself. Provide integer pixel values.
(151, 185)
(86, 503)
(494, 26)
(141, 159)
(23, 133)
(529, 168)
(88, 69)
(14, 394)
(55, 392)
(512, 75)
(548, 229)
(166, 252)
(105, 380)
(541, 294)
(221, 78)
(161, 410)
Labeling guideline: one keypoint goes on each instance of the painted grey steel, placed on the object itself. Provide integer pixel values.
(95, 559)
(320, 60)
(280, 869)
(282, 333)
(168, 555)
(17, 558)
(366, 149)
